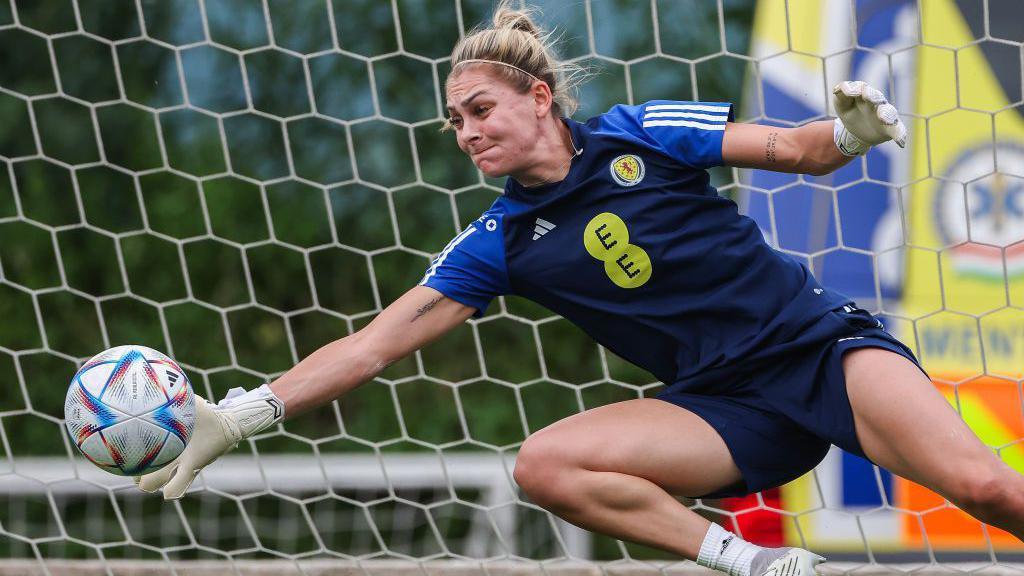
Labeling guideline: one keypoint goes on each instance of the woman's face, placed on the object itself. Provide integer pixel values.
(494, 125)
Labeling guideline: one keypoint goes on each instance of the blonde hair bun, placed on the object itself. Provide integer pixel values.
(521, 20)
(523, 54)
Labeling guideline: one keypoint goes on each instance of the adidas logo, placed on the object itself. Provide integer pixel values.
(725, 544)
(542, 227)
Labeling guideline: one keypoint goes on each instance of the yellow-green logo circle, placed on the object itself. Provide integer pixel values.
(630, 269)
(606, 238)
(627, 170)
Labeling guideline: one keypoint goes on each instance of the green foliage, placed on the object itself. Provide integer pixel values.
(153, 267)
(320, 151)
(299, 214)
(260, 340)
(7, 206)
(86, 68)
(16, 138)
(29, 260)
(111, 20)
(342, 280)
(26, 59)
(20, 329)
(131, 321)
(278, 276)
(239, 24)
(256, 146)
(87, 263)
(277, 83)
(146, 79)
(197, 335)
(46, 193)
(361, 217)
(235, 209)
(193, 142)
(142, 150)
(109, 199)
(172, 203)
(66, 130)
(72, 325)
(242, 209)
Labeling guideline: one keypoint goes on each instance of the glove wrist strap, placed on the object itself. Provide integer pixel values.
(846, 142)
(252, 411)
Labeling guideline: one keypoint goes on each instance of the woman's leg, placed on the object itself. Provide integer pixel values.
(906, 426)
(613, 470)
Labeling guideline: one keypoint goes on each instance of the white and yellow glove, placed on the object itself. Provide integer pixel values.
(218, 430)
(865, 119)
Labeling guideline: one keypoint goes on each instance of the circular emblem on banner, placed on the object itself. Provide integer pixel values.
(982, 220)
(628, 169)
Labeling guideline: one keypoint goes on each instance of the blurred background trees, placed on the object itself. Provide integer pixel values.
(238, 187)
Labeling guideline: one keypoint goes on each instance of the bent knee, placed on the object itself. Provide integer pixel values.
(989, 493)
(541, 469)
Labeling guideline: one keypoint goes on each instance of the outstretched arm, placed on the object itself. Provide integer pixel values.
(865, 119)
(419, 317)
(414, 320)
(809, 149)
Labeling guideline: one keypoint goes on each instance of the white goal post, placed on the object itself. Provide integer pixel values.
(493, 532)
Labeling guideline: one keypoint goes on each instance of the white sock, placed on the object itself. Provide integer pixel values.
(725, 551)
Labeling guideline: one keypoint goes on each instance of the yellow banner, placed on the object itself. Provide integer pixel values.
(965, 230)
(965, 255)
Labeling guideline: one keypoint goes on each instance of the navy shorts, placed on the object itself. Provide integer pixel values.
(779, 419)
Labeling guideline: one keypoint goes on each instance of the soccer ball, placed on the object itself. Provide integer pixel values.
(130, 410)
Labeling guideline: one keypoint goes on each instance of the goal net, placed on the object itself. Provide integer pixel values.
(238, 182)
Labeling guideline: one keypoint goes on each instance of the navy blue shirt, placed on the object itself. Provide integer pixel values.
(638, 249)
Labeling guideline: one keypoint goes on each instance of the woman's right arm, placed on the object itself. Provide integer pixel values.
(417, 318)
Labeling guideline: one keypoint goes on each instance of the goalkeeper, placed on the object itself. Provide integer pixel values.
(612, 223)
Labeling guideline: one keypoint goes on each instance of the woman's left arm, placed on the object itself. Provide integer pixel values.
(865, 119)
(809, 149)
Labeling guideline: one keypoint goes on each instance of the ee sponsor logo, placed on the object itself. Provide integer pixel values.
(607, 239)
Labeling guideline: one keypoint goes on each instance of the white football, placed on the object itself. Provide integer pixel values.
(130, 410)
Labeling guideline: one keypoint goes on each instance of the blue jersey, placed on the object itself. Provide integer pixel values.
(638, 249)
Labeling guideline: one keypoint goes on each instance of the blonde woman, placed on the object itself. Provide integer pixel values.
(612, 223)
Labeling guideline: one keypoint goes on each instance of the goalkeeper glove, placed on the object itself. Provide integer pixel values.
(865, 119)
(218, 430)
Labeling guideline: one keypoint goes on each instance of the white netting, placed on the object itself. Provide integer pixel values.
(237, 182)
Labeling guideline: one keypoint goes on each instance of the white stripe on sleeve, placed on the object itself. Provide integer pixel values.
(684, 123)
(712, 117)
(447, 250)
(688, 107)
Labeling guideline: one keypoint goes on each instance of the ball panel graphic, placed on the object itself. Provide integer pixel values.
(134, 444)
(94, 377)
(172, 447)
(133, 386)
(96, 450)
(85, 414)
(177, 416)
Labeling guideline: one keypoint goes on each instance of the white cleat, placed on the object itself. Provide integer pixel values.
(796, 562)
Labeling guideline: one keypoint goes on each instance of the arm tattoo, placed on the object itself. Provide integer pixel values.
(769, 150)
(426, 308)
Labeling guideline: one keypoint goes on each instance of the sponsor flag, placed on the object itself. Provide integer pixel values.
(932, 235)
